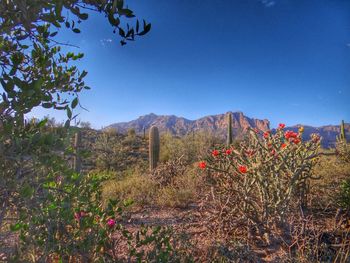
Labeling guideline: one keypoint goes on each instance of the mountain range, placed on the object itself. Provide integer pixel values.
(217, 125)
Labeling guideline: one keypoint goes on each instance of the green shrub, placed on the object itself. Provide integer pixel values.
(131, 185)
(344, 195)
(182, 191)
(191, 147)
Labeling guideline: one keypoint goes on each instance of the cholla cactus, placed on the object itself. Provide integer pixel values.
(229, 129)
(154, 147)
(257, 182)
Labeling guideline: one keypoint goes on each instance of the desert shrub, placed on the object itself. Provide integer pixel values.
(165, 173)
(190, 147)
(344, 194)
(332, 171)
(343, 149)
(109, 151)
(170, 184)
(113, 151)
(254, 185)
(181, 191)
(131, 185)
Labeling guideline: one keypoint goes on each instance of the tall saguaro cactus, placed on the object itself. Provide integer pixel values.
(342, 131)
(77, 159)
(154, 147)
(229, 129)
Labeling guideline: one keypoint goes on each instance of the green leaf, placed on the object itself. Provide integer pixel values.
(121, 32)
(83, 16)
(26, 191)
(137, 26)
(67, 124)
(42, 123)
(146, 29)
(76, 30)
(47, 105)
(16, 227)
(69, 113)
(74, 103)
(83, 74)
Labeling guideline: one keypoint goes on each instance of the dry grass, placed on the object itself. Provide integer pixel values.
(143, 189)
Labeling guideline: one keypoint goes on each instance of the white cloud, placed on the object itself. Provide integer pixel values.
(268, 3)
(105, 41)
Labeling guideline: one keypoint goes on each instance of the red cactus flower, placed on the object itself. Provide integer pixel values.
(215, 153)
(228, 151)
(77, 216)
(283, 145)
(256, 130)
(202, 165)
(273, 152)
(243, 169)
(266, 134)
(290, 134)
(281, 126)
(296, 140)
(111, 222)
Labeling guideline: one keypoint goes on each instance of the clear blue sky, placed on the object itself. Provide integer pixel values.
(284, 60)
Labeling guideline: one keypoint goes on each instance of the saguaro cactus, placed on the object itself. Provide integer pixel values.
(77, 159)
(154, 147)
(342, 131)
(144, 132)
(229, 129)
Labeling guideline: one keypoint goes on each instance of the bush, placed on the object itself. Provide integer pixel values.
(254, 185)
(131, 185)
(344, 195)
(190, 148)
(182, 191)
(332, 171)
(174, 186)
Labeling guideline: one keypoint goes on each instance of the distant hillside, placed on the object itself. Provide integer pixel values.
(216, 124)
(180, 126)
(328, 133)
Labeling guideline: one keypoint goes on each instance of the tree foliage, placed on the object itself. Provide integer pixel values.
(34, 69)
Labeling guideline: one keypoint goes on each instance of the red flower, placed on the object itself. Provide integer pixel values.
(283, 145)
(228, 151)
(296, 140)
(111, 222)
(281, 126)
(290, 134)
(266, 134)
(215, 153)
(202, 165)
(243, 169)
(273, 152)
(256, 130)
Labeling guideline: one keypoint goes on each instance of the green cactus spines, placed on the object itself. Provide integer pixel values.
(229, 129)
(77, 159)
(154, 147)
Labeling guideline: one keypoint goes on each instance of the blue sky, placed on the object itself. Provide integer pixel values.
(284, 60)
